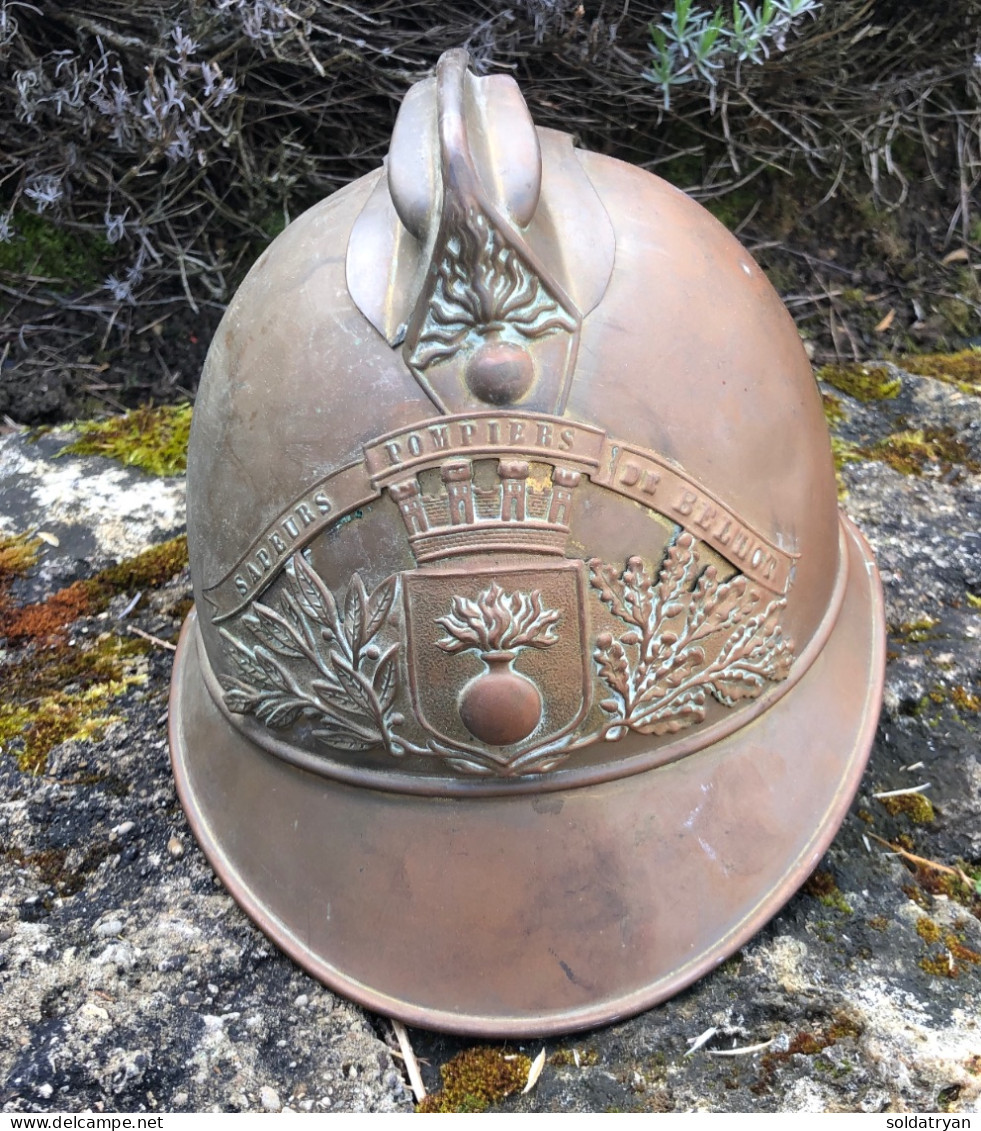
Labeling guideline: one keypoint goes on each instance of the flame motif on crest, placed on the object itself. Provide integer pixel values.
(483, 287)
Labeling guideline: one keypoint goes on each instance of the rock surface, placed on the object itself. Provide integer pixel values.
(130, 981)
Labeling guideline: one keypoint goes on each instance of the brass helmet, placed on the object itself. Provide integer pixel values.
(533, 665)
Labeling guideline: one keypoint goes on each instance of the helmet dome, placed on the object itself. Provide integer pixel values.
(533, 666)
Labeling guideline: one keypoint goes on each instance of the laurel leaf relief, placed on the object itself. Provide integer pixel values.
(304, 658)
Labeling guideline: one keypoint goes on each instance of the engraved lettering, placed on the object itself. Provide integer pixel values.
(567, 438)
(724, 535)
(323, 503)
(414, 444)
(263, 558)
(394, 452)
(277, 543)
(494, 431)
(544, 435)
(441, 436)
(707, 517)
(517, 431)
(466, 434)
(757, 558)
(771, 567)
(740, 545)
(686, 503)
(304, 513)
(631, 475)
(651, 480)
(254, 574)
(241, 585)
(290, 527)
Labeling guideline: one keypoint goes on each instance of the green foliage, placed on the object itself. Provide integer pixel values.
(863, 382)
(152, 439)
(822, 886)
(39, 246)
(913, 451)
(834, 411)
(476, 1078)
(18, 552)
(916, 806)
(691, 44)
(961, 369)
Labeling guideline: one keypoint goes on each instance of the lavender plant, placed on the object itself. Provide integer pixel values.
(174, 139)
(691, 44)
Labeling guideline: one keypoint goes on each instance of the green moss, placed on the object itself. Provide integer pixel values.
(911, 452)
(863, 382)
(562, 1058)
(940, 966)
(41, 247)
(916, 806)
(927, 930)
(974, 602)
(53, 869)
(806, 1044)
(46, 620)
(18, 552)
(960, 952)
(152, 439)
(476, 1078)
(56, 695)
(54, 691)
(965, 701)
(962, 369)
(822, 887)
(146, 571)
(963, 888)
(835, 412)
(917, 631)
(882, 227)
(838, 902)
(958, 314)
(843, 451)
(916, 896)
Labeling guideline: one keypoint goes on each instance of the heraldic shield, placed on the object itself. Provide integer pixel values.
(509, 646)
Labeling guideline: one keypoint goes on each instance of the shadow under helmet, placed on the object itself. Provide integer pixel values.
(533, 666)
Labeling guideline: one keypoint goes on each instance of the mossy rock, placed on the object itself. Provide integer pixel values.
(863, 382)
(476, 1078)
(152, 439)
(962, 369)
(913, 451)
(56, 690)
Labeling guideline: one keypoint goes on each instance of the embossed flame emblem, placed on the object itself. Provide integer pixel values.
(498, 677)
(500, 706)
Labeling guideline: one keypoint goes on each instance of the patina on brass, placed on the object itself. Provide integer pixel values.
(533, 666)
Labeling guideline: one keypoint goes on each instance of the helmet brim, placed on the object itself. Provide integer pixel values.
(539, 913)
